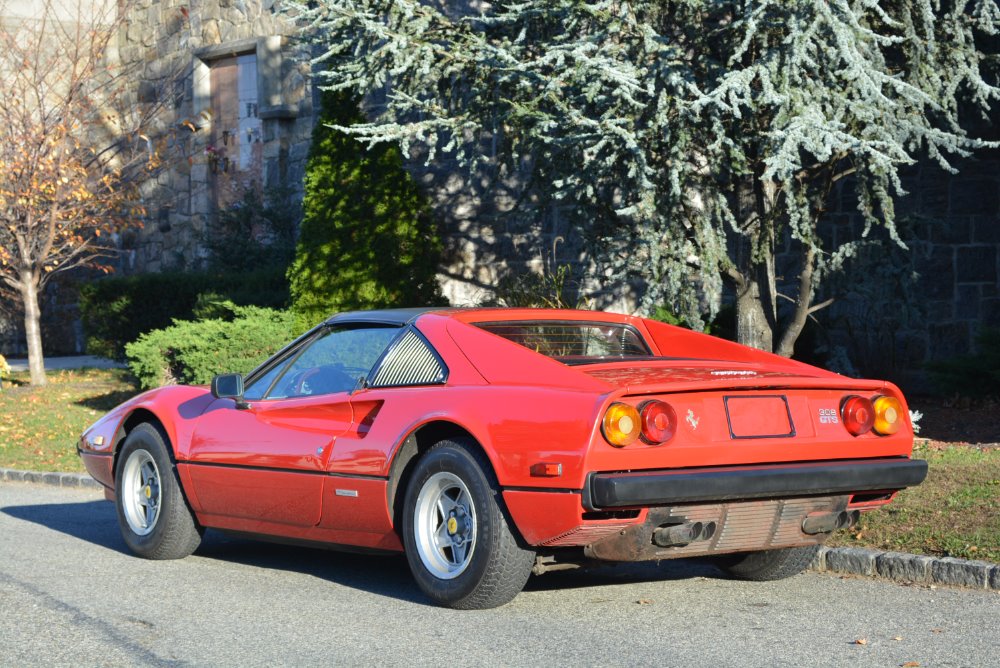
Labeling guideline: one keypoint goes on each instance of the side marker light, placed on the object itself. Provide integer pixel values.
(546, 470)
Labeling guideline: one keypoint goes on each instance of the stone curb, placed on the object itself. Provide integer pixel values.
(911, 568)
(896, 566)
(78, 480)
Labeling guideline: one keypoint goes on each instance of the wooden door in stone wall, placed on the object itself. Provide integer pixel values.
(235, 151)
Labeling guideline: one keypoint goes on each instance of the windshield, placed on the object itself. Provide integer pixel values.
(573, 342)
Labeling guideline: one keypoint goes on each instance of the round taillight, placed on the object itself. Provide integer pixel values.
(858, 414)
(621, 425)
(659, 421)
(888, 415)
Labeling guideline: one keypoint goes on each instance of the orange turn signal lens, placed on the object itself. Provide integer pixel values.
(888, 415)
(621, 425)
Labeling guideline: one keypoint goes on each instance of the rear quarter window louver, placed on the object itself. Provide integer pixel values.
(409, 362)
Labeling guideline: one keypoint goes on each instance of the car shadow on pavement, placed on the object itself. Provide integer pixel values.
(385, 575)
(389, 575)
(92, 521)
(611, 574)
(96, 522)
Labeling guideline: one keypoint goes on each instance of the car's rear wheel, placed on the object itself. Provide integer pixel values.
(458, 539)
(153, 515)
(771, 564)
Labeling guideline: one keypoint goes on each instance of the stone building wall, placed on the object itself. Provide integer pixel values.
(176, 43)
(896, 309)
(170, 48)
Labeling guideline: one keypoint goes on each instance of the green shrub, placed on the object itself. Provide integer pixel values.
(115, 311)
(976, 375)
(367, 238)
(192, 352)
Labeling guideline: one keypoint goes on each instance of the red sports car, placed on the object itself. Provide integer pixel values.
(488, 444)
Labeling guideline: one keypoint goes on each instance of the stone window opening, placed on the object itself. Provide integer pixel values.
(237, 86)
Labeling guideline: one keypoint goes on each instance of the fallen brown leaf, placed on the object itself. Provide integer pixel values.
(861, 641)
(910, 664)
(644, 601)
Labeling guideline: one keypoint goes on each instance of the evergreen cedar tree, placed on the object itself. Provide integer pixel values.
(367, 238)
(688, 140)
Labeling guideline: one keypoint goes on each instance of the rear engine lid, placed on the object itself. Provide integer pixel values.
(688, 375)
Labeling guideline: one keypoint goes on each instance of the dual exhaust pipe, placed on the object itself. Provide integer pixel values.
(828, 522)
(680, 535)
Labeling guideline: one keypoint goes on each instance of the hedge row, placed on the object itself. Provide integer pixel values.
(192, 352)
(116, 311)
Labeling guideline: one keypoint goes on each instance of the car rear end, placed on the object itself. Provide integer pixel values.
(705, 447)
(711, 466)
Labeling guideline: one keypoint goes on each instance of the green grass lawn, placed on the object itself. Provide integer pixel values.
(39, 426)
(955, 512)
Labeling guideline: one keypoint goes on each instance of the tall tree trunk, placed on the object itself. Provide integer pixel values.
(803, 303)
(756, 318)
(752, 324)
(33, 326)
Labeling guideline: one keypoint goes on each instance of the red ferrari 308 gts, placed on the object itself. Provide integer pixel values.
(488, 444)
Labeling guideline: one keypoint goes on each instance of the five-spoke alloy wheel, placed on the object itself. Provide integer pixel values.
(458, 539)
(445, 525)
(141, 497)
(153, 515)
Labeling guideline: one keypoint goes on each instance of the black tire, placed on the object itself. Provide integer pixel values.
(492, 566)
(771, 564)
(153, 515)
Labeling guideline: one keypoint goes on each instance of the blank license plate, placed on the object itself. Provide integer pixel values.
(759, 417)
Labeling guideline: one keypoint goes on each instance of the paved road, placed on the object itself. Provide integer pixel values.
(70, 595)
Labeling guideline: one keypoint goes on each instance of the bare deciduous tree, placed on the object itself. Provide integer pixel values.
(71, 147)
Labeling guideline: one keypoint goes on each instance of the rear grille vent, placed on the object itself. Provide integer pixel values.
(583, 535)
(409, 362)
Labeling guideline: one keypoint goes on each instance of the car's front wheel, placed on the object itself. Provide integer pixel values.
(459, 542)
(771, 564)
(153, 515)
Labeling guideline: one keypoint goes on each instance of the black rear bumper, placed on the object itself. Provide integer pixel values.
(649, 488)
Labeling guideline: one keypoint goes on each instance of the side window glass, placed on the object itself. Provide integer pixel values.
(333, 362)
(259, 387)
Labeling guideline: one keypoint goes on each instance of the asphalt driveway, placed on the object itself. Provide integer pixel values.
(71, 595)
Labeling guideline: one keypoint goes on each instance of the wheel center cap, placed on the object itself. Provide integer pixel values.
(452, 526)
(148, 491)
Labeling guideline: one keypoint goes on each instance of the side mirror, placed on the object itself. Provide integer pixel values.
(229, 386)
